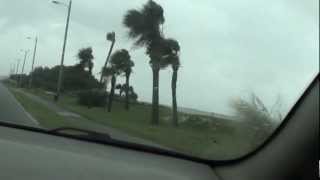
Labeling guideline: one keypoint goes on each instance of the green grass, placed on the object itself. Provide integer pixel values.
(216, 140)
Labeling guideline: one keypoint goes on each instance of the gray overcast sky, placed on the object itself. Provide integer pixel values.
(228, 47)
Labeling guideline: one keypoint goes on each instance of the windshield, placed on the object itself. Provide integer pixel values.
(210, 79)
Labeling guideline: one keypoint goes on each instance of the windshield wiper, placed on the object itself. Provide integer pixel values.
(81, 133)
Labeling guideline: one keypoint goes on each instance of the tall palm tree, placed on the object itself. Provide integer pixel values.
(175, 67)
(85, 56)
(122, 63)
(170, 56)
(144, 26)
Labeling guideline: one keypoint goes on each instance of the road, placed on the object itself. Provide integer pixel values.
(11, 111)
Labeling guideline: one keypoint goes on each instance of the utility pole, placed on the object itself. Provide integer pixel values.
(33, 58)
(56, 97)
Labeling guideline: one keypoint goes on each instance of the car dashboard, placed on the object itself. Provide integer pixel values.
(41, 156)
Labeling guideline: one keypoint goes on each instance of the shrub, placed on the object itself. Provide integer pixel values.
(92, 98)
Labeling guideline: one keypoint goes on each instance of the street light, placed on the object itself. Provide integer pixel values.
(24, 62)
(33, 58)
(12, 69)
(56, 97)
(16, 77)
(17, 68)
(110, 37)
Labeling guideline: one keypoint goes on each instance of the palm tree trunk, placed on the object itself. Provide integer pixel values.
(155, 95)
(113, 84)
(174, 96)
(127, 90)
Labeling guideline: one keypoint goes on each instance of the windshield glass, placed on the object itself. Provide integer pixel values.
(210, 79)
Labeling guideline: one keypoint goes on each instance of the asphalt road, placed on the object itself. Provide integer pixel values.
(11, 111)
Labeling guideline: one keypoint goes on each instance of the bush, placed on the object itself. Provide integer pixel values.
(92, 98)
(74, 79)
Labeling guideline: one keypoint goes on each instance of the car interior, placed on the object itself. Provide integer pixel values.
(292, 152)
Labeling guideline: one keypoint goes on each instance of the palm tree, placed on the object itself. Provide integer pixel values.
(85, 56)
(175, 66)
(121, 63)
(144, 27)
(170, 56)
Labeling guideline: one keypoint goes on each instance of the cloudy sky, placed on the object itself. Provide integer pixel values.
(229, 48)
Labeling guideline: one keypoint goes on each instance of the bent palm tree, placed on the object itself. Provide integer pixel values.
(144, 27)
(85, 56)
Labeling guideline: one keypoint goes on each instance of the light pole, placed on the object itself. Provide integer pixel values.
(33, 58)
(16, 77)
(56, 97)
(24, 62)
(17, 68)
(12, 70)
(110, 37)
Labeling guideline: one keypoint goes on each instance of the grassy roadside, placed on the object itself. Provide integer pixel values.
(218, 140)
